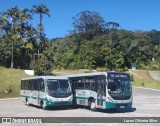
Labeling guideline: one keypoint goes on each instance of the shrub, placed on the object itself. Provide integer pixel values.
(41, 66)
(142, 84)
(132, 77)
(100, 69)
(88, 71)
(126, 69)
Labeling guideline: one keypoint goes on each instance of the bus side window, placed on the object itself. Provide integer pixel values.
(26, 85)
(74, 84)
(29, 85)
(41, 83)
(81, 83)
(36, 84)
(32, 85)
(80, 86)
(33, 82)
(101, 85)
(22, 85)
(90, 83)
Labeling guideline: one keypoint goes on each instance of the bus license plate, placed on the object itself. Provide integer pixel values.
(122, 107)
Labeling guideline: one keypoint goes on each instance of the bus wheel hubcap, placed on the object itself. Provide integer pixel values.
(43, 106)
(27, 102)
(93, 105)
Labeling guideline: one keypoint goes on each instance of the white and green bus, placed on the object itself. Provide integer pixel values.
(46, 91)
(103, 90)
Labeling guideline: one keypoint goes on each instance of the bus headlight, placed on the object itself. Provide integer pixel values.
(71, 98)
(50, 98)
(109, 99)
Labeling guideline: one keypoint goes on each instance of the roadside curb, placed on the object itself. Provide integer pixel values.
(9, 99)
(147, 88)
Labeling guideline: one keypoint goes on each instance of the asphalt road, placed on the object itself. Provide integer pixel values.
(146, 103)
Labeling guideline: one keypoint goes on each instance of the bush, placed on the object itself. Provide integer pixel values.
(88, 71)
(41, 66)
(132, 77)
(120, 70)
(155, 66)
(101, 69)
(142, 84)
(8, 91)
(125, 69)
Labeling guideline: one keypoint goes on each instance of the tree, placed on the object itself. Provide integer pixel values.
(88, 24)
(12, 13)
(112, 25)
(155, 36)
(41, 66)
(41, 10)
(16, 26)
(112, 33)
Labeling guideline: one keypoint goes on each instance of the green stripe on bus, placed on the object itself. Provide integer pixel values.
(85, 98)
(25, 96)
(32, 97)
(81, 97)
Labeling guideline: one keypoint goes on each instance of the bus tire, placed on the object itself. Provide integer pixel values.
(43, 105)
(113, 109)
(26, 102)
(92, 105)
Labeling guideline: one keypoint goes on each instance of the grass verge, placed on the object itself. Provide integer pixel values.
(10, 82)
(147, 82)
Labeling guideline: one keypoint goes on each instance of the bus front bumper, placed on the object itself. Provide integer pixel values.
(110, 105)
(63, 103)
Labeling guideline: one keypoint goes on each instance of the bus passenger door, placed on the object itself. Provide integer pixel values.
(101, 91)
(35, 92)
(41, 91)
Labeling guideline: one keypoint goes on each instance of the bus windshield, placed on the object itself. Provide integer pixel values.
(58, 88)
(119, 88)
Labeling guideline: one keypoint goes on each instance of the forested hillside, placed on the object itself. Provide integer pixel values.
(93, 43)
(125, 49)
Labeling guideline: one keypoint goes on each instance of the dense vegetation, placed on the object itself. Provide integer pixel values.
(93, 43)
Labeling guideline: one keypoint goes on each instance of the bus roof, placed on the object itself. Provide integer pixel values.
(46, 77)
(87, 74)
(95, 73)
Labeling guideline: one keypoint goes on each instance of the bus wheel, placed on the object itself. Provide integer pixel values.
(92, 105)
(27, 103)
(43, 105)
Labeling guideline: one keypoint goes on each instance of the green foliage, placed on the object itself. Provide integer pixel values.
(154, 65)
(142, 84)
(118, 52)
(125, 69)
(22, 34)
(132, 77)
(94, 43)
(41, 10)
(88, 24)
(41, 66)
(100, 69)
(88, 71)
